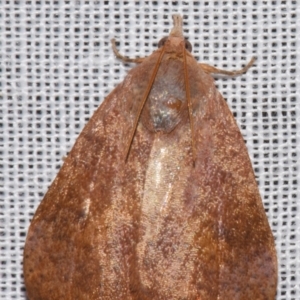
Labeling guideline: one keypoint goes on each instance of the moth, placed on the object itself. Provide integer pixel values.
(157, 199)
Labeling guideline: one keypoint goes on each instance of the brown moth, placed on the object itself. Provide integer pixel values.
(157, 199)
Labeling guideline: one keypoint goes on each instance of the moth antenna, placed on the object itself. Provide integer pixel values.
(122, 57)
(189, 102)
(212, 70)
(177, 32)
(143, 101)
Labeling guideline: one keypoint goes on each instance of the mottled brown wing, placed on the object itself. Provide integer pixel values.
(67, 251)
(203, 231)
(233, 221)
(157, 227)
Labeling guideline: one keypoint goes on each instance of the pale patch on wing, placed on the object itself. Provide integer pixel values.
(86, 206)
(164, 250)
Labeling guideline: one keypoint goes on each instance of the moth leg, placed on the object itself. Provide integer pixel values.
(124, 58)
(212, 70)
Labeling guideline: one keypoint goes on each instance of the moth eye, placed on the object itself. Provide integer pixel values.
(188, 46)
(162, 42)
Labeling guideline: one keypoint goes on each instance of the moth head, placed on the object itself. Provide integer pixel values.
(188, 45)
(176, 32)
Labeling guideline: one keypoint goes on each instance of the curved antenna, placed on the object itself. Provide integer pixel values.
(143, 101)
(189, 102)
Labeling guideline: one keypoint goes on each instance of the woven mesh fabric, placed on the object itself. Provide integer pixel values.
(57, 66)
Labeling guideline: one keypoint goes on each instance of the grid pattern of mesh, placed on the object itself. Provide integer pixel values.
(57, 66)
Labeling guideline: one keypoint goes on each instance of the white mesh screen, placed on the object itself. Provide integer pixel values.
(57, 66)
